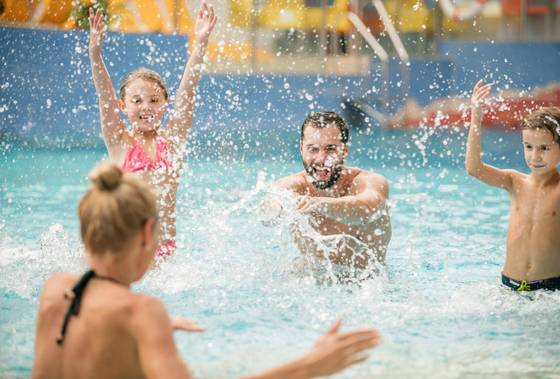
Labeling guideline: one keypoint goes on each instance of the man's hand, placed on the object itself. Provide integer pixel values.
(308, 204)
(270, 212)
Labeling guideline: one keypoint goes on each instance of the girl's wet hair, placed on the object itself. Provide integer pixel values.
(145, 74)
(547, 118)
(114, 209)
(326, 119)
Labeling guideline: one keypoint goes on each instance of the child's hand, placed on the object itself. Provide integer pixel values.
(96, 30)
(480, 91)
(181, 324)
(205, 22)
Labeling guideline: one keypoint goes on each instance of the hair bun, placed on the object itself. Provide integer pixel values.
(106, 177)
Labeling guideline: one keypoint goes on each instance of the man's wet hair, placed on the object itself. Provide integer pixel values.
(326, 119)
(547, 118)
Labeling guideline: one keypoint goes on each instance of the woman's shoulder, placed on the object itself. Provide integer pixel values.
(147, 306)
(147, 312)
(52, 299)
(58, 283)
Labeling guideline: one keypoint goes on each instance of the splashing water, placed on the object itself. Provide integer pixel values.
(438, 302)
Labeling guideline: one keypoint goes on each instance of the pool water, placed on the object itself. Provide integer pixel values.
(438, 303)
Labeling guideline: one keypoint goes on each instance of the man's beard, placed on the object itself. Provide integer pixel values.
(335, 170)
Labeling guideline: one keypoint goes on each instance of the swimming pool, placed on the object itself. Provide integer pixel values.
(438, 305)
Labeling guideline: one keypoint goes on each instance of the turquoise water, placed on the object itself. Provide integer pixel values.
(438, 304)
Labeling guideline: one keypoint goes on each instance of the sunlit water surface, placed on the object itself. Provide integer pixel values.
(438, 304)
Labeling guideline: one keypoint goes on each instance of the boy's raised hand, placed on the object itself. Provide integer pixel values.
(205, 22)
(96, 30)
(480, 91)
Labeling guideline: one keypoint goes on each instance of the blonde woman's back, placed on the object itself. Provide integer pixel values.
(99, 341)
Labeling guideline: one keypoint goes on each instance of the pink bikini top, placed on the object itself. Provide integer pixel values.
(137, 160)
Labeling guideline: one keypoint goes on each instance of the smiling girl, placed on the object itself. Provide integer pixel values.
(155, 154)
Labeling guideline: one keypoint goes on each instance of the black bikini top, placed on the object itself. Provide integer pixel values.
(75, 296)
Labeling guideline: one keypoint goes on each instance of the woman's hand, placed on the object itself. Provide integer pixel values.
(184, 325)
(335, 351)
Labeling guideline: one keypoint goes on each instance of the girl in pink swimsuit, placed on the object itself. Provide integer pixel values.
(155, 154)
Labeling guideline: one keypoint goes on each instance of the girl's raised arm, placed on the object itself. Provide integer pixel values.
(112, 126)
(181, 118)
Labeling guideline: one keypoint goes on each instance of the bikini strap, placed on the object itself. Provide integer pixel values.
(75, 296)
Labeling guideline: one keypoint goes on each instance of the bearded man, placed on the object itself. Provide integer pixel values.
(345, 203)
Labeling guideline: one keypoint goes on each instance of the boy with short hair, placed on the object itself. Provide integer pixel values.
(533, 241)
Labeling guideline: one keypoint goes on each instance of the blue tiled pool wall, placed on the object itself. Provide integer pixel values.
(47, 98)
